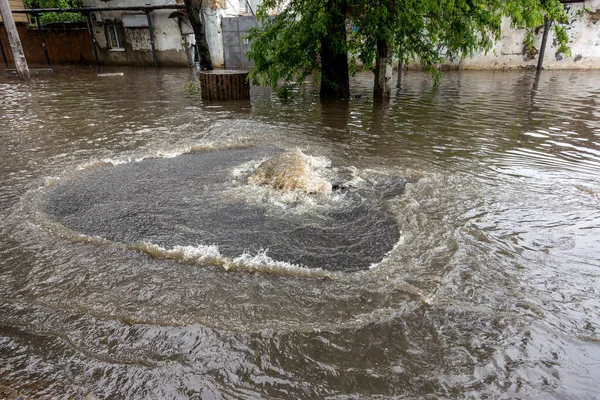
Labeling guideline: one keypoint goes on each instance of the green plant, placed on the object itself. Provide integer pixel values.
(192, 86)
(292, 45)
(54, 16)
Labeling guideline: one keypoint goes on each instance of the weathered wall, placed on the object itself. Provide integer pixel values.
(173, 41)
(510, 52)
(235, 47)
(213, 29)
(214, 11)
(65, 46)
(168, 39)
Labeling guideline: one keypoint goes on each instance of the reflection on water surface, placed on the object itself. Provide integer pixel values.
(488, 285)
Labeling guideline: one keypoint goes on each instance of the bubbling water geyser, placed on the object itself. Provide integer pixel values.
(292, 171)
(250, 208)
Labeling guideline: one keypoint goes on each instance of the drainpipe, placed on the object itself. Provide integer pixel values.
(93, 37)
(39, 24)
(250, 7)
(150, 30)
(3, 55)
(547, 24)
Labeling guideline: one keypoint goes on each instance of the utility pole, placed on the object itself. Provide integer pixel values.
(13, 39)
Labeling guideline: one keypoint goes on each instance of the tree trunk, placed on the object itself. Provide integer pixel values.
(399, 82)
(383, 69)
(385, 45)
(193, 8)
(400, 63)
(335, 78)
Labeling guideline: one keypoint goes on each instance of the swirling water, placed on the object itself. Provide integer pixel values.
(491, 288)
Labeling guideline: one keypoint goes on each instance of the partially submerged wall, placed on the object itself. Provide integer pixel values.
(66, 44)
(135, 48)
(511, 53)
(214, 12)
(174, 38)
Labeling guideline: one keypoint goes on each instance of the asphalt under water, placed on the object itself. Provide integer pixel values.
(190, 201)
(127, 273)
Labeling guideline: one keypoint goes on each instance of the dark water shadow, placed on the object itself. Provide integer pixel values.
(187, 201)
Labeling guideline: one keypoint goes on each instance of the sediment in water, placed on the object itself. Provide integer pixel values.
(290, 170)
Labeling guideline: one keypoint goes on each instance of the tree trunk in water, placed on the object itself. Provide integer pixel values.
(400, 62)
(335, 78)
(193, 8)
(399, 83)
(383, 69)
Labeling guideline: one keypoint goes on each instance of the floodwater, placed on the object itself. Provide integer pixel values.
(457, 256)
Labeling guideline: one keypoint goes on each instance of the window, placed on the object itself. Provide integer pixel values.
(114, 34)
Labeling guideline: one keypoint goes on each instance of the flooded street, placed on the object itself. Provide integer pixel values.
(457, 254)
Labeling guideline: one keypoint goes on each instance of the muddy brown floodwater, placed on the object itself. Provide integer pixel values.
(457, 256)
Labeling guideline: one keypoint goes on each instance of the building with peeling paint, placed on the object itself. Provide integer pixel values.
(123, 37)
(511, 53)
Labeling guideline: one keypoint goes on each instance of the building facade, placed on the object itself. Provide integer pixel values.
(123, 37)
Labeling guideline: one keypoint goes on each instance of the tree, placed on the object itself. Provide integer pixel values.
(335, 79)
(432, 31)
(193, 9)
(308, 36)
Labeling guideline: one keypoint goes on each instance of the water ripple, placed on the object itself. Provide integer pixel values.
(491, 289)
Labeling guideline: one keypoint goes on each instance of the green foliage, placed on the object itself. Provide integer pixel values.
(57, 17)
(287, 50)
(562, 39)
(192, 86)
(529, 15)
(429, 31)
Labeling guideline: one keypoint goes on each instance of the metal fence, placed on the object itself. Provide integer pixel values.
(235, 46)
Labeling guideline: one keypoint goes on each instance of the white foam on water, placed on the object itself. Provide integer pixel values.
(163, 153)
(389, 255)
(192, 253)
(244, 170)
(318, 163)
(51, 180)
(247, 262)
(261, 262)
(536, 135)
